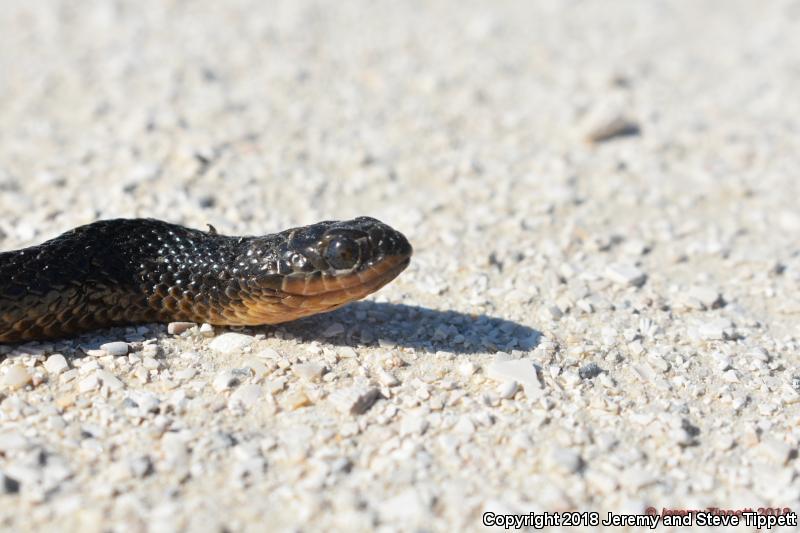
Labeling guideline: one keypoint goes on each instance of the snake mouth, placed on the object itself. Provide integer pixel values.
(329, 290)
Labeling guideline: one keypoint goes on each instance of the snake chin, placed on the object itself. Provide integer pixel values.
(301, 297)
(338, 288)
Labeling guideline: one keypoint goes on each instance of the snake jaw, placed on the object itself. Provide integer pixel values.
(333, 284)
(300, 297)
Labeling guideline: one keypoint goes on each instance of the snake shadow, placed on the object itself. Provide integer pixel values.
(390, 325)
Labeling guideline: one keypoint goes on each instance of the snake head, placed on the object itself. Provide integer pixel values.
(358, 245)
(328, 264)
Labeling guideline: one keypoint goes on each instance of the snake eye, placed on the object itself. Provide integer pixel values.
(342, 254)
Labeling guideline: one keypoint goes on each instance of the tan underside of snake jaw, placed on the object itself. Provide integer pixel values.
(299, 298)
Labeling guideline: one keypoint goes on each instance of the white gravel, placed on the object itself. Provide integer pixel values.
(602, 311)
(115, 348)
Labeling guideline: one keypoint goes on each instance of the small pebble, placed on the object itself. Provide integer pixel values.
(151, 363)
(246, 395)
(724, 442)
(56, 364)
(116, 348)
(268, 353)
(8, 485)
(707, 297)
(625, 275)
(760, 354)
(185, 374)
(174, 449)
(602, 482)
(150, 350)
(408, 506)
(589, 371)
(571, 378)
(89, 384)
(69, 375)
(297, 399)
(12, 440)
(567, 460)
(684, 434)
(658, 362)
(724, 362)
(465, 426)
(141, 466)
(274, 386)
(508, 389)
(110, 380)
(87, 367)
(716, 329)
(520, 370)
(413, 424)
(775, 450)
(730, 376)
(309, 371)
(634, 247)
(225, 380)
(16, 377)
(230, 342)
(611, 127)
(387, 379)
(354, 400)
(347, 352)
(176, 328)
(467, 369)
(64, 401)
(552, 312)
(146, 402)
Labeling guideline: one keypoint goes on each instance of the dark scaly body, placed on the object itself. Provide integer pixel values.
(129, 271)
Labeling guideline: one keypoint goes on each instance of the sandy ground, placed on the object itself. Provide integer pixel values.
(597, 326)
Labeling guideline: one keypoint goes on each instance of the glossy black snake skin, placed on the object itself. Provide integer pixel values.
(129, 271)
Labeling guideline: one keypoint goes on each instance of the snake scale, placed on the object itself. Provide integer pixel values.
(130, 271)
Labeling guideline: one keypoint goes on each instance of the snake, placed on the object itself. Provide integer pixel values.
(131, 271)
